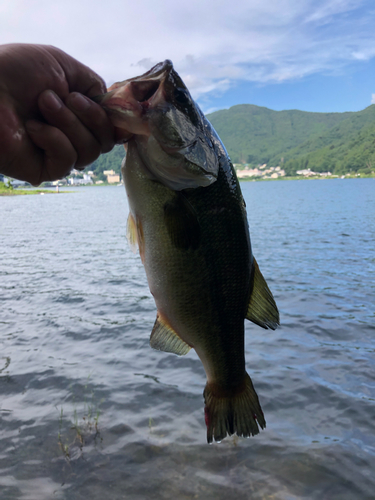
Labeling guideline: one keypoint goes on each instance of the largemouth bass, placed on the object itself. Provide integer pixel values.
(188, 219)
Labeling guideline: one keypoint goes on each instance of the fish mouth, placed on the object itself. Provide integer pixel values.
(144, 91)
(140, 88)
(139, 94)
(145, 87)
(127, 102)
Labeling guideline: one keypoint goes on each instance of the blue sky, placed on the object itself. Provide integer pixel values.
(312, 55)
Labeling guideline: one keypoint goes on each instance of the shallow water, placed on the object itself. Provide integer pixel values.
(89, 410)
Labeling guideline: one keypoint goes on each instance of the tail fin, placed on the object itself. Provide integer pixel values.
(238, 414)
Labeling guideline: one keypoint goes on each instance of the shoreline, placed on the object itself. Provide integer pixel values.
(312, 178)
(23, 192)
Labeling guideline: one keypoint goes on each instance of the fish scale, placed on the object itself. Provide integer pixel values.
(188, 218)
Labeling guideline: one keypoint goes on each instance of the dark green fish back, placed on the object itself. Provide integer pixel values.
(225, 244)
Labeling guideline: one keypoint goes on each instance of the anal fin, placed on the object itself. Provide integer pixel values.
(262, 309)
(164, 338)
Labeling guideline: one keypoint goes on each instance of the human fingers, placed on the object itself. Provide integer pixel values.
(60, 116)
(57, 156)
(33, 153)
(95, 119)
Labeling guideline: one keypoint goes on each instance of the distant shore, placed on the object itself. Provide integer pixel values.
(17, 192)
(6, 191)
(301, 178)
(11, 191)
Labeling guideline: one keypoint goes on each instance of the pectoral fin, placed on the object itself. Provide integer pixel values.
(164, 338)
(262, 309)
(182, 223)
(131, 233)
(134, 234)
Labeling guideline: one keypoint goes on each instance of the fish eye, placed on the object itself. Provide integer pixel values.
(181, 95)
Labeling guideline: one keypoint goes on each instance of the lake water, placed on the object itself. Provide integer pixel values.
(89, 411)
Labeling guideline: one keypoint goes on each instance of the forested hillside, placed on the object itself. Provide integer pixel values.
(108, 161)
(348, 147)
(253, 135)
(336, 142)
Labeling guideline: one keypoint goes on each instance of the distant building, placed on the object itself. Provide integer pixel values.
(306, 172)
(16, 183)
(75, 181)
(60, 182)
(325, 174)
(87, 179)
(112, 179)
(249, 172)
(109, 172)
(261, 171)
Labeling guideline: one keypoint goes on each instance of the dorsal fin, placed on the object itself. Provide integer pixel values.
(164, 338)
(262, 309)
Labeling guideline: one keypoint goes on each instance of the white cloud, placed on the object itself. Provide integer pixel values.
(213, 109)
(372, 98)
(213, 44)
(325, 12)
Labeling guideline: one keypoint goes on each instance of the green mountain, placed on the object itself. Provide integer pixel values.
(335, 142)
(338, 142)
(108, 161)
(254, 134)
(344, 148)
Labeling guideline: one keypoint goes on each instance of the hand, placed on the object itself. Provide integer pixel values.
(48, 123)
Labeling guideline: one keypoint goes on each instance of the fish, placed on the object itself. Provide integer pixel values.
(188, 220)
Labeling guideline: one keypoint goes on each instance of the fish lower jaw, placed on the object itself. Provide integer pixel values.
(127, 118)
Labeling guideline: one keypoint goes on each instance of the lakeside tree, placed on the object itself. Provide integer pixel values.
(108, 161)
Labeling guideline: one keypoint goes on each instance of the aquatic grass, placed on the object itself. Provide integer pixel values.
(84, 421)
(6, 364)
(63, 446)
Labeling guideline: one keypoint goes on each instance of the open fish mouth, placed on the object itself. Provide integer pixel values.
(128, 102)
(142, 92)
(145, 91)
(141, 89)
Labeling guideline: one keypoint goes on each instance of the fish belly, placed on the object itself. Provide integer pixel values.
(200, 291)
